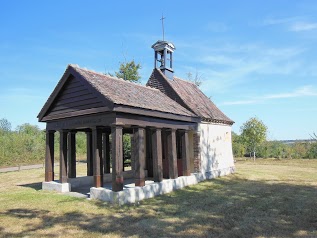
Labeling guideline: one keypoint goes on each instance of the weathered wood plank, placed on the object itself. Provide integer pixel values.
(71, 151)
(49, 157)
(139, 159)
(73, 109)
(157, 155)
(63, 157)
(171, 153)
(117, 158)
(76, 104)
(97, 157)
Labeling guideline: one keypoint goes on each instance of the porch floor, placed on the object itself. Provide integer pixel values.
(84, 191)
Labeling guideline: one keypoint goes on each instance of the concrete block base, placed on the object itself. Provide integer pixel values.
(55, 186)
(136, 194)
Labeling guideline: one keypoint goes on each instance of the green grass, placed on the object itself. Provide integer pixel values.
(266, 198)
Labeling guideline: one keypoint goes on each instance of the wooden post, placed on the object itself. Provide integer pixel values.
(132, 151)
(71, 154)
(97, 157)
(139, 153)
(106, 152)
(49, 156)
(89, 154)
(122, 152)
(171, 153)
(63, 157)
(197, 152)
(157, 155)
(185, 152)
(117, 158)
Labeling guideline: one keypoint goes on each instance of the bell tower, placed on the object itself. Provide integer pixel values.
(163, 57)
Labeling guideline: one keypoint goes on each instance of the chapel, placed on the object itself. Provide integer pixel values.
(179, 137)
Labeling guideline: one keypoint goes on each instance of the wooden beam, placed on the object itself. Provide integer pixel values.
(139, 153)
(144, 121)
(63, 157)
(49, 156)
(71, 154)
(157, 155)
(97, 157)
(89, 154)
(185, 153)
(152, 113)
(117, 158)
(74, 113)
(106, 152)
(171, 153)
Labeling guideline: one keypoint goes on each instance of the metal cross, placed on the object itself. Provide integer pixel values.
(162, 19)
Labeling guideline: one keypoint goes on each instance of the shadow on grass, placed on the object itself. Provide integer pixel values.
(35, 186)
(216, 208)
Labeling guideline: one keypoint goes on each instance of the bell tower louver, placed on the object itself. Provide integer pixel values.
(163, 57)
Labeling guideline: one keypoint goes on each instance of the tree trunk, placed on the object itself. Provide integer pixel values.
(254, 156)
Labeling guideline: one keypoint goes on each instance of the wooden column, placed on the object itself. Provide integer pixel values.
(89, 154)
(139, 153)
(63, 157)
(49, 156)
(171, 153)
(185, 152)
(71, 154)
(157, 155)
(132, 151)
(106, 152)
(97, 157)
(117, 158)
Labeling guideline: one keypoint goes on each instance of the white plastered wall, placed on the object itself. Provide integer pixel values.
(216, 147)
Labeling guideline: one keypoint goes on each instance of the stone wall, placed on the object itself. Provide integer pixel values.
(215, 147)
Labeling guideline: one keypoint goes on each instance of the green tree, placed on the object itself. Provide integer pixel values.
(238, 148)
(5, 125)
(129, 71)
(253, 133)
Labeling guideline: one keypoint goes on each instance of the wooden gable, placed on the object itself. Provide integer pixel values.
(73, 96)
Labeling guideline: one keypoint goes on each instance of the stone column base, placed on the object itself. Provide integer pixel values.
(55, 186)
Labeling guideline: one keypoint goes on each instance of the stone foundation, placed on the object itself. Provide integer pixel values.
(56, 186)
(152, 189)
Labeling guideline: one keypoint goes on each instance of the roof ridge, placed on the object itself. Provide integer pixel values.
(186, 81)
(112, 77)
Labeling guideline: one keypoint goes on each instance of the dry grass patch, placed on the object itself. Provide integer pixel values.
(268, 198)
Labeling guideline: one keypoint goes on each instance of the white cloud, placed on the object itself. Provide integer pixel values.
(295, 24)
(231, 66)
(305, 91)
(277, 21)
(303, 26)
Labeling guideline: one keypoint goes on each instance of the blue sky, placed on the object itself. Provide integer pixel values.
(256, 58)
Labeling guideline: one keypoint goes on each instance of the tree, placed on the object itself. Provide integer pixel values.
(253, 133)
(28, 129)
(314, 136)
(5, 125)
(237, 145)
(196, 79)
(129, 71)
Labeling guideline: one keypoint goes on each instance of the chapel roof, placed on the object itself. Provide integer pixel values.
(189, 96)
(127, 93)
(120, 92)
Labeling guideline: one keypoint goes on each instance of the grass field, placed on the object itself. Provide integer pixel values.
(266, 198)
